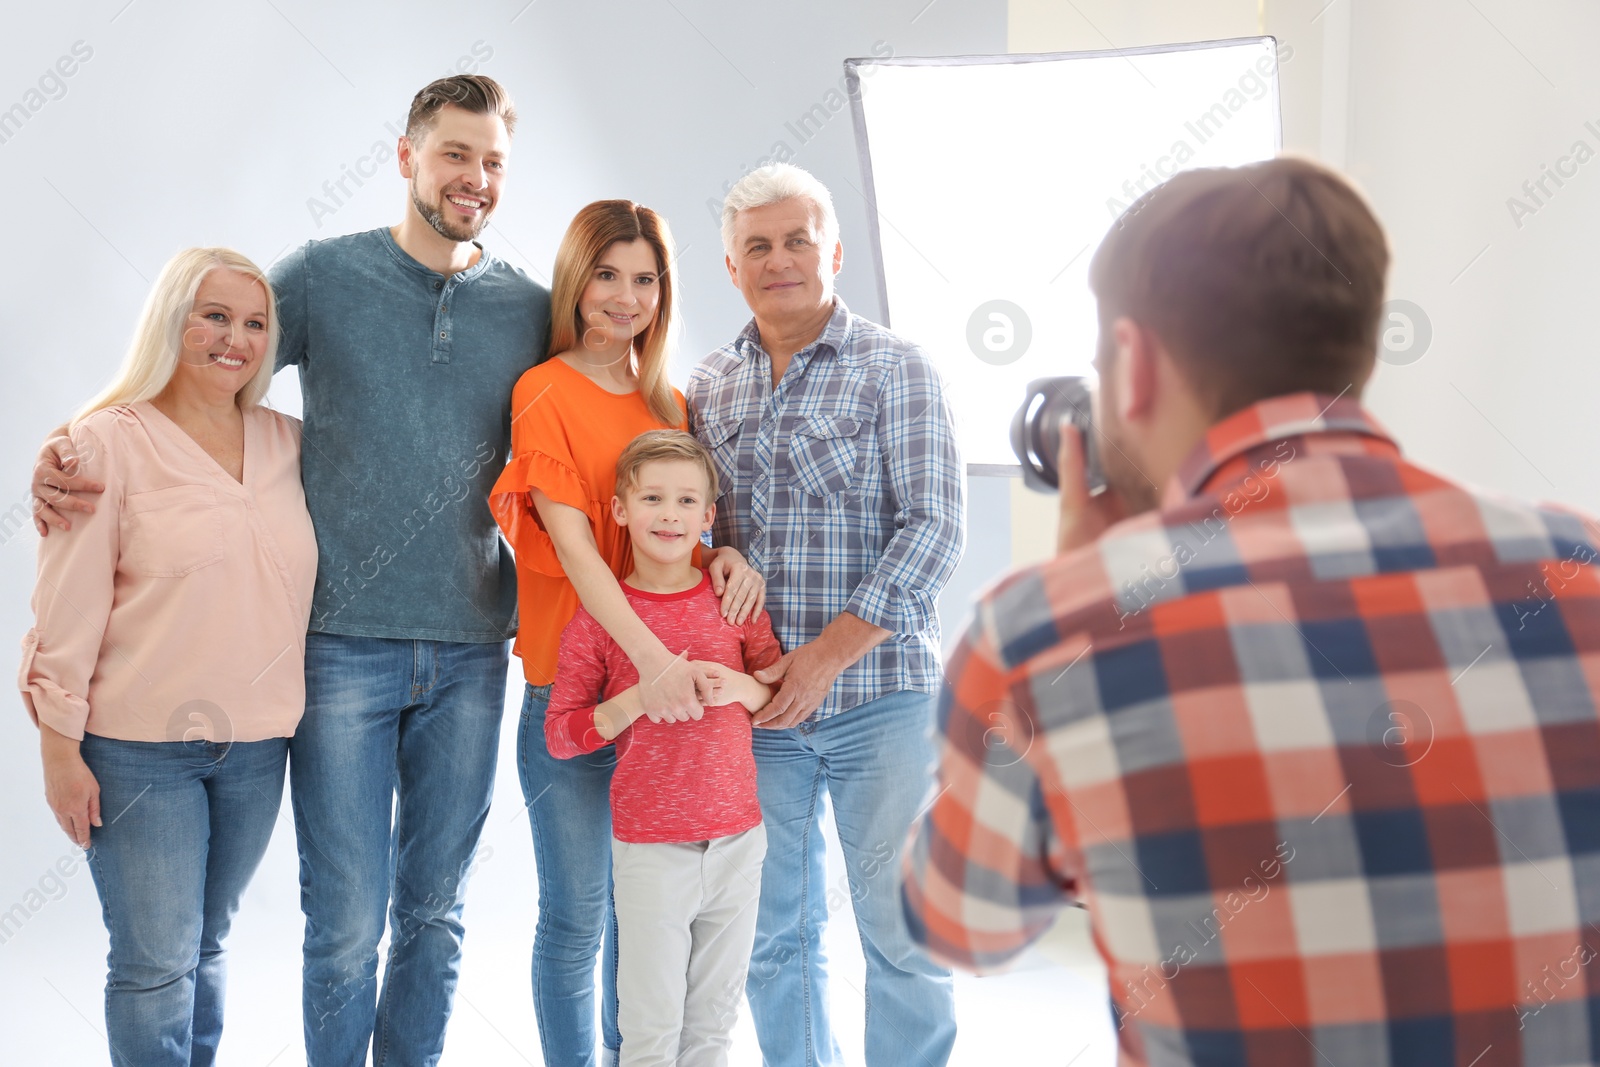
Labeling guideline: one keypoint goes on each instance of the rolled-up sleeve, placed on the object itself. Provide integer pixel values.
(72, 601)
(922, 469)
(983, 876)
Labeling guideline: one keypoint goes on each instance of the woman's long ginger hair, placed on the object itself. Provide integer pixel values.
(594, 230)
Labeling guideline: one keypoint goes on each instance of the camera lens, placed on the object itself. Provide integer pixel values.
(1036, 431)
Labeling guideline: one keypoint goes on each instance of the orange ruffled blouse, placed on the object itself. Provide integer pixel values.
(566, 435)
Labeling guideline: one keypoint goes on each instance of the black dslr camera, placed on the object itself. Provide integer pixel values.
(1036, 432)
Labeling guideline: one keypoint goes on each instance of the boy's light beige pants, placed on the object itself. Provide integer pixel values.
(686, 921)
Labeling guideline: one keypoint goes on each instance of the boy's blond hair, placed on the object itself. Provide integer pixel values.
(656, 445)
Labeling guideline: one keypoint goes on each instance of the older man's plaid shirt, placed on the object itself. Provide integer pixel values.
(843, 487)
(1316, 744)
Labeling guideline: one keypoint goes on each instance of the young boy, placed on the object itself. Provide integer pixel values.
(687, 841)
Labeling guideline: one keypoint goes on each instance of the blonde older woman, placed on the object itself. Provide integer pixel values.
(166, 666)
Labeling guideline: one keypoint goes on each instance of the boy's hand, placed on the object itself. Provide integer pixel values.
(727, 682)
(709, 679)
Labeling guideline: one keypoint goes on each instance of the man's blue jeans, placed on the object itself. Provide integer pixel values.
(391, 772)
(875, 763)
(569, 808)
(185, 826)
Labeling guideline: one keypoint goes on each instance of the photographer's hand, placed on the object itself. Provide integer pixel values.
(1083, 517)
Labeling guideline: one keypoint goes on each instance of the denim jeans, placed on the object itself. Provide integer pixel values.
(569, 808)
(185, 826)
(875, 764)
(391, 772)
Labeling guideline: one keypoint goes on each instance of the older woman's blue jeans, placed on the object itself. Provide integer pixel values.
(569, 808)
(185, 824)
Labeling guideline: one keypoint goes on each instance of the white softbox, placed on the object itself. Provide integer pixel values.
(990, 180)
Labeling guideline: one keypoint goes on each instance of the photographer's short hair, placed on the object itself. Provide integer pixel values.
(773, 184)
(476, 93)
(1260, 280)
(654, 445)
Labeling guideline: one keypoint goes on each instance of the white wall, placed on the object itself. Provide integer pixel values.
(1452, 108)
(1440, 111)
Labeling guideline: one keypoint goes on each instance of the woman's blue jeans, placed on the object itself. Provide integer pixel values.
(569, 808)
(185, 824)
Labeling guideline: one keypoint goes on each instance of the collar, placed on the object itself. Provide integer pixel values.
(835, 336)
(404, 258)
(682, 594)
(1265, 422)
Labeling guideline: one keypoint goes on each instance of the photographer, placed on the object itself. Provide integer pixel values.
(1286, 714)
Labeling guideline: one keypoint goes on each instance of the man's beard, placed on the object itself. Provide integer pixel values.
(1124, 474)
(435, 217)
(1119, 460)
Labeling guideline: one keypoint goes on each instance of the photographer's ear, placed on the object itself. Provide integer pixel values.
(1134, 368)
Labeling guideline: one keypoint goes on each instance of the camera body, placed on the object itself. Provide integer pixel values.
(1036, 432)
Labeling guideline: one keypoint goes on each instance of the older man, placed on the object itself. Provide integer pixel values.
(844, 487)
(1312, 733)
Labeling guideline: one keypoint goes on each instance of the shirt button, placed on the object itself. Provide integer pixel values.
(438, 285)
(441, 335)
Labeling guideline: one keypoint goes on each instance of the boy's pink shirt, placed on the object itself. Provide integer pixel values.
(674, 782)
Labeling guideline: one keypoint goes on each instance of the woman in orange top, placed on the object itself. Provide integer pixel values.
(603, 383)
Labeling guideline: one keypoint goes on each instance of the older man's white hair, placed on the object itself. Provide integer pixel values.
(773, 184)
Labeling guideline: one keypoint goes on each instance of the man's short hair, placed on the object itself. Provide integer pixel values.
(773, 184)
(655, 445)
(1260, 280)
(476, 93)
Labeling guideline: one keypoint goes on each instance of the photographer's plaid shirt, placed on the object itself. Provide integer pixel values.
(843, 487)
(1316, 744)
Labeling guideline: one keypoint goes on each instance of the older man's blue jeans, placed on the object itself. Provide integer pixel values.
(875, 763)
(185, 824)
(391, 771)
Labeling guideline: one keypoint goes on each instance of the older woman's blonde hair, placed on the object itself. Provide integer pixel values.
(152, 357)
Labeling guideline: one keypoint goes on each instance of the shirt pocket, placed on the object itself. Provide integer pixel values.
(168, 533)
(822, 454)
(722, 438)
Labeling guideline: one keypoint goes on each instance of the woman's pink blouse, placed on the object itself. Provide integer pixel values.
(178, 610)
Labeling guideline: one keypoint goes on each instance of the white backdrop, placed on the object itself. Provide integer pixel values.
(987, 228)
